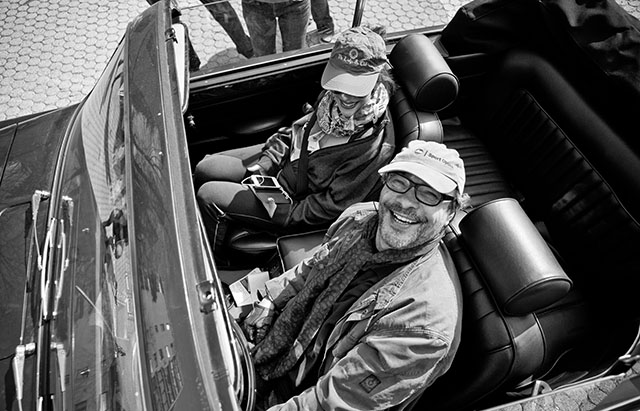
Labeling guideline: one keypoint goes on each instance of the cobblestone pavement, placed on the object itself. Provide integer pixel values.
(52, 52)
(583, 397)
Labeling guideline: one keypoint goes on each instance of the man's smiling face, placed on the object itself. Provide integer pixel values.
(404, 222)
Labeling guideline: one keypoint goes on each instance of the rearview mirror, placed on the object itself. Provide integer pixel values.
(181, 53)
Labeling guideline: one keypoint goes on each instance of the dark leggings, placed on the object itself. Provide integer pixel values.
(222, 198)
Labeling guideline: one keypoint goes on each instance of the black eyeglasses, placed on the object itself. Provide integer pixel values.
(423, 192)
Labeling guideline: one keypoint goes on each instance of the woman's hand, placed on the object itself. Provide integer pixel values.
(279, 141)
(256, 169)
(274, 152)
(259, 321)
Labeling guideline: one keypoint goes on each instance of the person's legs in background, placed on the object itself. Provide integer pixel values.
(261, 23)
(194, 60)
(226, 16)
(322, 17)
(293, 17)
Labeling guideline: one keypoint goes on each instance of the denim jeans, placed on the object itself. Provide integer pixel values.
(322, 15)
(261, 18)
(227, 17)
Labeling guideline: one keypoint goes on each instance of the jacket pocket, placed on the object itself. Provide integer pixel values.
(350, 329)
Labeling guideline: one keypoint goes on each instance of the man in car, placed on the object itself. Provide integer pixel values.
(373, 317)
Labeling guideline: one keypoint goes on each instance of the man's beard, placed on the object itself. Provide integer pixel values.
(397, 234)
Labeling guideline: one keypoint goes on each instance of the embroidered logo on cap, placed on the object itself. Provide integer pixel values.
(427, 153)
(369, 383)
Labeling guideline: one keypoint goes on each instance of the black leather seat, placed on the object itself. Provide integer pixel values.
(428, 88)
(574, 171)
(577, 178)
(500, 258)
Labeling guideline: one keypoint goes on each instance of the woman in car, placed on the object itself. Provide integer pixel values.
(325, 162)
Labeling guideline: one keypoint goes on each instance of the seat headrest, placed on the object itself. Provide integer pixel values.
(513, 258)
(421, 70)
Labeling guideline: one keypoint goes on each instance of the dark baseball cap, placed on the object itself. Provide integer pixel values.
(357, 58)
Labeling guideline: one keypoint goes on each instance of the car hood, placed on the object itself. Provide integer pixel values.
(28, 155)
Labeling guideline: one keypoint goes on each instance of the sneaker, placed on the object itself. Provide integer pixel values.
(326, 34)
(248, 53)
(245, 47)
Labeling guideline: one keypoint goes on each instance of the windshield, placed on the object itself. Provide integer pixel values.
(124, 327)
(230, 33)
(95, 325)
(132, 318)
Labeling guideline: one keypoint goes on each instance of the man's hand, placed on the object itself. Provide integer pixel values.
(259, 321)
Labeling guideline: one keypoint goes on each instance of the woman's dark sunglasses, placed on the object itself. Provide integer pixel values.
(423, 192)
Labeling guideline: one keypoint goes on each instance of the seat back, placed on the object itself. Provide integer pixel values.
(575, 172)
(427, 88)
(510, 279)
(577, 178)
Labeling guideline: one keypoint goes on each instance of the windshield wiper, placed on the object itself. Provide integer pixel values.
(52, 262)
(55, 262)
(67, 212)
(55, 251)
(23, 350)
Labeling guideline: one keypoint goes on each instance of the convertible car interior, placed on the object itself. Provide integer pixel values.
(548, 256)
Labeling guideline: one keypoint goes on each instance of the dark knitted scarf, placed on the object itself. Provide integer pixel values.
(303, 315)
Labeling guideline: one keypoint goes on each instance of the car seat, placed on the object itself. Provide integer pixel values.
(419, 110)
(579, 177)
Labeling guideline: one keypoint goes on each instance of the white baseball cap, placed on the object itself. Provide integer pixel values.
(434, 163)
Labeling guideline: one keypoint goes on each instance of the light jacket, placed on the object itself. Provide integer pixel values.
(394, 341)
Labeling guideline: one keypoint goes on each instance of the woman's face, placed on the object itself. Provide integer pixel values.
(348, 104)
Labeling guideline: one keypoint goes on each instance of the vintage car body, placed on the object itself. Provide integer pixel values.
(111, 298)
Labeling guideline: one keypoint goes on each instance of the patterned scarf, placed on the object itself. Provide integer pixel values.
(332, 272)
(332, 121)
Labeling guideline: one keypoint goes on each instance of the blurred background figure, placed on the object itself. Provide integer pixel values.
(263, 16)
(227, 17)
(324, 22)
(194, 60)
